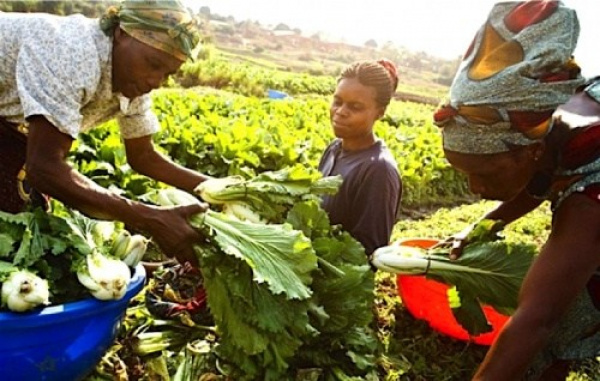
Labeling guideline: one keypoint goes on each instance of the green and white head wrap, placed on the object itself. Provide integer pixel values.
(163, 24)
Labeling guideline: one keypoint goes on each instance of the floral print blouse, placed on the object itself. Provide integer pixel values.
(60, 67)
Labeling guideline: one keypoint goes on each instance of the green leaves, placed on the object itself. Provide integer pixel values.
(258, 330)
(54, 245)
(25, 237)
(290, 295)
(468, 312)
(342, 299)
(6, 269)
(277, 254)
(487, 272)
(270, 193)
(491, 271)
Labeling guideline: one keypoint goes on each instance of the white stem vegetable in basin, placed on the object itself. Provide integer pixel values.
(106, 278)
(129, 248)
(23, 291)
(136, 249)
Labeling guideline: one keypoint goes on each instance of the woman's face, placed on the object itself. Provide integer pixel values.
(138, 68)
(499, 176)
(353, 111)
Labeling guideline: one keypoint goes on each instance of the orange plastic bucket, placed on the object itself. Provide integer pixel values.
(427, 300)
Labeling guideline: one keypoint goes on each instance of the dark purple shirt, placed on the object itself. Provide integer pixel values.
(368, 202)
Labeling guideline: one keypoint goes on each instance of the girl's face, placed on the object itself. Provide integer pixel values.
(353, 113)
(499, 176)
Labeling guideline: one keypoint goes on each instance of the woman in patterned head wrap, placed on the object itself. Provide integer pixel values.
(65, 75)
(515, 128)
(152, 38)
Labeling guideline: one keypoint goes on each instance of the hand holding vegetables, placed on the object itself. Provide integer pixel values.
(291, 287)
(490, 271)
(485, 229)
(172, 232)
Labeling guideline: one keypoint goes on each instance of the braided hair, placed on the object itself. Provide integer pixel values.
(381, 75)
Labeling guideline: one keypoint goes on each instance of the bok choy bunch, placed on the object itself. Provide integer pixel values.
(266, 248)
(21, 289)
(489, 271)
(76, 256)
(250, 270)
(286, 296)
(266, 196)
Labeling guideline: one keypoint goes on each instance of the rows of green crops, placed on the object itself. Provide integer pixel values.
(240, 72)
(221, 133)
(250, 79)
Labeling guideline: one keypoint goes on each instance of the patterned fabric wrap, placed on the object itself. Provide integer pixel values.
(163, 24)
(517, 70)
(576, 337)
(579, 161)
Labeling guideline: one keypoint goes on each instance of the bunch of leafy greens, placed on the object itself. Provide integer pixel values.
(490, 271)
(286, 298)
(343, 294)
(53, 245)
(271, 193)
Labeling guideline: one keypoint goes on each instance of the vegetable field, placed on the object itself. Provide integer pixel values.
(224, 134)
(294, 299)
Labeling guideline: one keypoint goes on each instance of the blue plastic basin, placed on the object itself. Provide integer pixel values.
(62, 342)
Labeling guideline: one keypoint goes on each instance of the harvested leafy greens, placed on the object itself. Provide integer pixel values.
(288, 299)
(489, 271)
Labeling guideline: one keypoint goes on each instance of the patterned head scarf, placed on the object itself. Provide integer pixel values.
(163, 24)
(518, 69)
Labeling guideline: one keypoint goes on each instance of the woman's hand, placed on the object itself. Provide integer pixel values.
(456, 242)
(483, 230)
(171, 230)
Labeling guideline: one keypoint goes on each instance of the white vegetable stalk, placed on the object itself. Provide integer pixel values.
(119, 247)
(175, 197)
(105, 278)
(135, 250)
(209, 189)
(242, 212)
(398, 260)
(411, 261)
(23, 291)
(129, 248)
(103, 230)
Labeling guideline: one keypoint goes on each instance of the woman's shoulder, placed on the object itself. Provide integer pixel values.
(64, 41)
(334, 147)
(385, 155)
(381, 161)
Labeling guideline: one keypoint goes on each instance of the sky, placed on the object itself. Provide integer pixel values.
(442, 28)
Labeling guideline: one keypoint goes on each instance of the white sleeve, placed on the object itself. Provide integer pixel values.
(137, 119)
